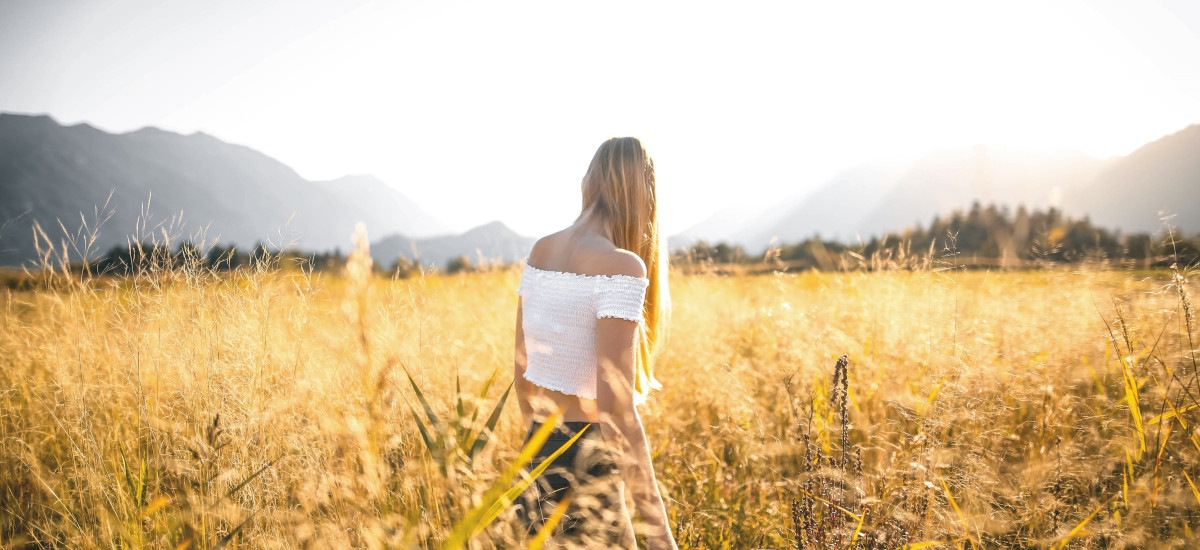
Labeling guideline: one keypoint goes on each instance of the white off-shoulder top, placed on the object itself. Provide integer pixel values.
(560, 311)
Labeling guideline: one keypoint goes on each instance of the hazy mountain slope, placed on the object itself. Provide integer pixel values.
(720, 226)
(244, 194)
(835, 211)
(1163, 175)
(954, 178)
(394, 212)
(493, 241)
(50, 172)
(876, 198)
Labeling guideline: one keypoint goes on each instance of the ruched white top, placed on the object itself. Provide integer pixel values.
(560, 311)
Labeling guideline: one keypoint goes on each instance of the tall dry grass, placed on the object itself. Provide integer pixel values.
(269, 408)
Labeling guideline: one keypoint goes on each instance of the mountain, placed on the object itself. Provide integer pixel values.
(835, 211)
(1163, 175)
(395, 212)
(1126, 193)
(721, 225)
(954, 178)
(492, 241)
(196, 186)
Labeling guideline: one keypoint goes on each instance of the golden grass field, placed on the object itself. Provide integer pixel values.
(985, 409)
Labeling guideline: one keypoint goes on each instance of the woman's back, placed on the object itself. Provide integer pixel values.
(572, 279)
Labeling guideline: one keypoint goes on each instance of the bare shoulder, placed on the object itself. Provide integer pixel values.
(541, 248)
(619, 261)
(588, 254)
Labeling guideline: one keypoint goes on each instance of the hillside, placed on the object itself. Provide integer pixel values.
(1125, 193)
(955, 178)
(835, 210)
(492, 241)
(1160, 176)
(193, 185)
(394, 212)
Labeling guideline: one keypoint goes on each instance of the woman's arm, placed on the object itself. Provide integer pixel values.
(520, 361)
(619, 421)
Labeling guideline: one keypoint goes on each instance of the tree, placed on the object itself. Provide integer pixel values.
(403, 268)
(461, 263)
(188, 254)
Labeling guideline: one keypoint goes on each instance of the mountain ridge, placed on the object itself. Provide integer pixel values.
(487, 242)
(862, 202)
(1174, 162)
(50, 172)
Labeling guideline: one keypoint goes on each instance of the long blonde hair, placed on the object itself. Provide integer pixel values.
(619, 185)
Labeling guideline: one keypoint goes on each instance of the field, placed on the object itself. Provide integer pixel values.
(981, 409)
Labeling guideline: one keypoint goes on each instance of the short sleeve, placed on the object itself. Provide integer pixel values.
(622, 297)
(521, 285)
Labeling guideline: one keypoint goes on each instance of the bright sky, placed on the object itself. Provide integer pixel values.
(491, 110)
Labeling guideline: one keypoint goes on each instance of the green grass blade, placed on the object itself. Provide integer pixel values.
(225, 540)
(473, 522)
(510, 495)
(488, 384)
(125, 466)
(466, 437)
(490, 427)
(462, 431)
(252, 476)
(434, 450)
(433, 419)
(143, 476)
(462, 412)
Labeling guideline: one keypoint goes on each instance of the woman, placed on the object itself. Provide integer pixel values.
(593, 308)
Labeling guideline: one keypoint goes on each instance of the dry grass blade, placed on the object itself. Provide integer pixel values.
(930, 544)
(858, 528)
(1077, 530)
(957, 511)
(1172, 414)
(1131, 390)
(849, 514)
(543, 534)
(251, 477)
(154, 506)
(1195, 493)
(236, 530)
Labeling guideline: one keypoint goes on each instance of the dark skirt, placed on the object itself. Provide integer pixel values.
(596, 516)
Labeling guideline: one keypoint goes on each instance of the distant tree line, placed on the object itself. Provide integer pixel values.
(124, 260)
(991, 236)
(979, 236)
